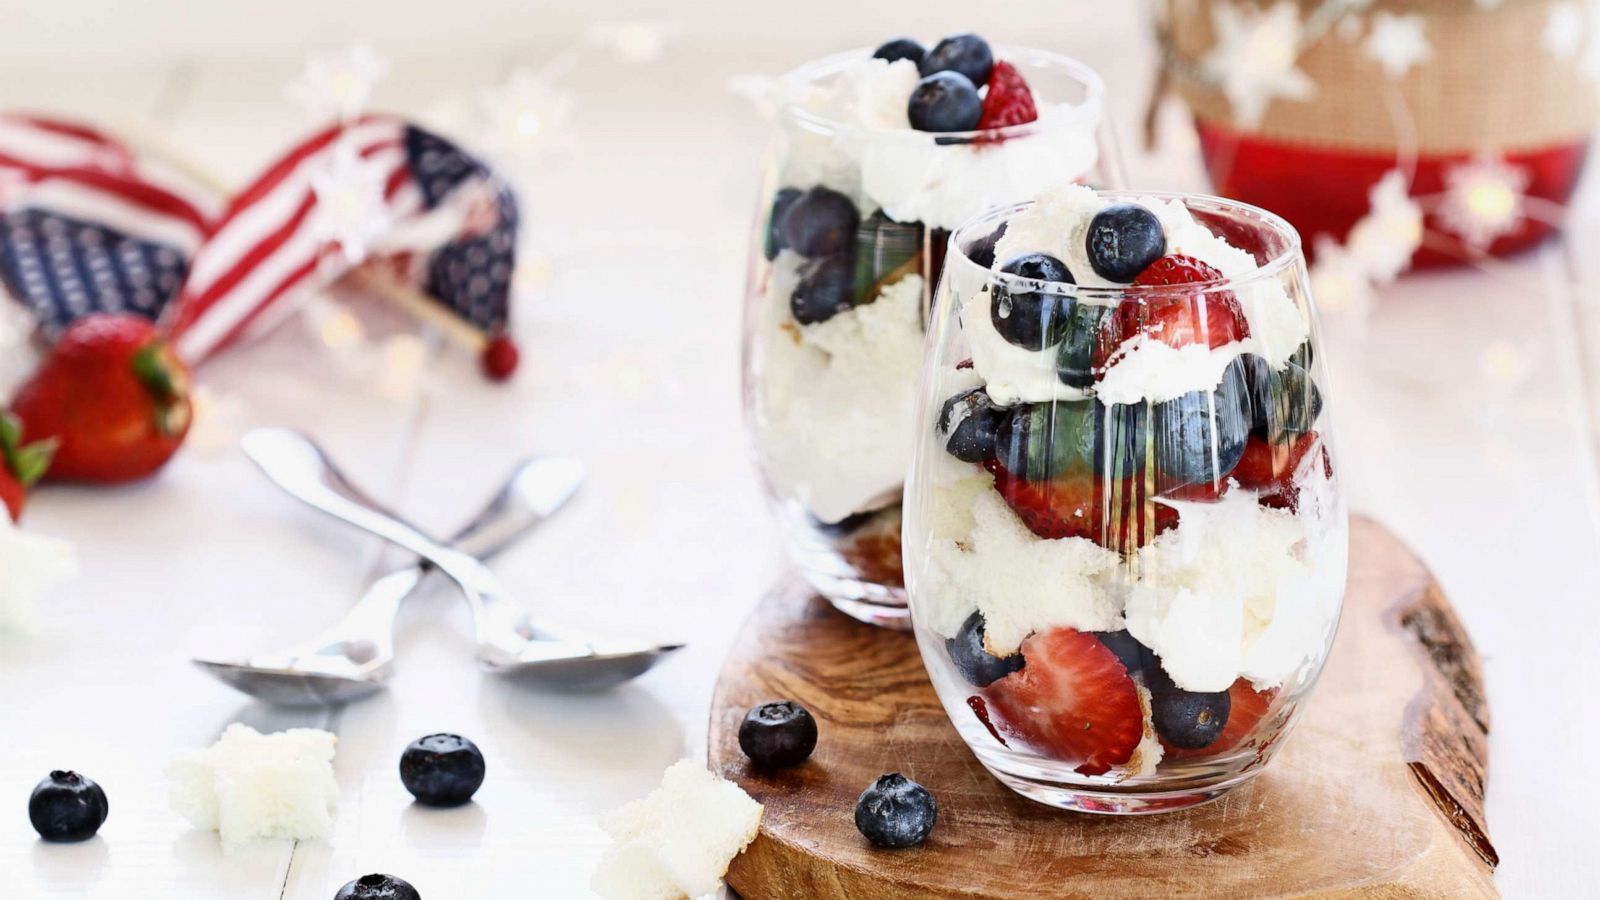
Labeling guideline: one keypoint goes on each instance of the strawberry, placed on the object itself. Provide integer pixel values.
(1247, 707)
(1073, 700)
(1273, 468)
(114, 397)
(1078, 506)
(21, 466)
(1179, 318)
(1009, 101)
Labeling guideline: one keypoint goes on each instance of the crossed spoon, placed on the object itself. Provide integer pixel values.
(355, 657)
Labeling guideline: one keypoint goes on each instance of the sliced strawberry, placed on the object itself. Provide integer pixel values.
(1274, 469)
(1247, 707)
(1124, 519)
(1009, 101)
(1180, 318)
(1073, 700)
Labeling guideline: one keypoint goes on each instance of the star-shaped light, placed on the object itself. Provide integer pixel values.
(338, 84)
(1339, 280)
(1564, 31)
(1398, 42)
(1483, 199)
(30, 564)
(351, 212)
(1253, 62)
(636, 41)
(1385, 239)
(524, 117)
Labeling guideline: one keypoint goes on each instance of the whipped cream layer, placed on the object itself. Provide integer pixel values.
(837, 411)
(873, 155)
(1142, 370)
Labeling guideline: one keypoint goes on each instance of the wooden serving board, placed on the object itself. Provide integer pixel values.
(1378, 791)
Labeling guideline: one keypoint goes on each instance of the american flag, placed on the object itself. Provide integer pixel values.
(88, 226)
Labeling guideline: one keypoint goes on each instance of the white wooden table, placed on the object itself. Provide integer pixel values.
(631, 362)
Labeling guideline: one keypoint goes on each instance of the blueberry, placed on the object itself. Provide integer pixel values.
(896, 812)
(776, 241)
(827, 287)
(377, 887)
(1123, 240)
(442, 769)
(901, 48)
(1089, 334)
(1187, 719)
(1200, 436)
(778, 735)
(820, 222)
(981, 251)
(67, 807)
(971, 420)
(1129, 651)
(943, 102)
(1044, 441)
(885, 252)
(1032, 320)
(965, 53)
(977, 665)
(1283, 402)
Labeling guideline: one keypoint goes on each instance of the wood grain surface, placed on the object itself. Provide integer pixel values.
(1378, 792)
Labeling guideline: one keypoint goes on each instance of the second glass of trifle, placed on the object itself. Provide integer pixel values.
(879, 154)
(1125, 537)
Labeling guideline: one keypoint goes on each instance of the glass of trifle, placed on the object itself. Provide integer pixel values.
(1125, 536)
(878, 155)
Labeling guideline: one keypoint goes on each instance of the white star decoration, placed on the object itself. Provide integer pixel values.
(1563, 31)
(1339, 280)
(1254, 59)
(338, 84)
(1387, 236)
(30, 564)
(524, 117)
(351, 210)
(1398, 42)
(638, 41)
(1483, 199)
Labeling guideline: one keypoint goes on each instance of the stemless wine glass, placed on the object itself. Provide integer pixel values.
(852, 223)
(1126, 541)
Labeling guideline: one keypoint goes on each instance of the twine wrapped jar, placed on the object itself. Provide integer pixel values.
(1511, 84)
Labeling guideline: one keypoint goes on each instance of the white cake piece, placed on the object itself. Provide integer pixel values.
(250, 785)
(677, 842)
(30, 564)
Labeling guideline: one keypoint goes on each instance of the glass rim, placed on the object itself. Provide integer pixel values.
(984, 223)
(816, 69)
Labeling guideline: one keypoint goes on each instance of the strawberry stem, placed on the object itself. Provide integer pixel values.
(154, 369)
(26, 462)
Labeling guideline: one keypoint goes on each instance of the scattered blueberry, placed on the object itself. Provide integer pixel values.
(1187, 719)
(1123, 240)
(778, 735)
(981, 251)
(1090, 335)
(896, 812)
(1200, 436)
(442, 769)
(1283, 402)
(378, 887)
(965, 53)
(1033, 320)
(971, 420)
(820, 222)
(901, 48)
(1129, 651)
(827, 287)
(977, 665)
(944, 102)
(776, 241)
(67, 807)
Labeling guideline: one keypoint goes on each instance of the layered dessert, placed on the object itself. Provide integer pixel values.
(882, 153)
(1127, 543)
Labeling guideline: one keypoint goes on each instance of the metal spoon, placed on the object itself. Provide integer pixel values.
(355, 657)
(508, 641)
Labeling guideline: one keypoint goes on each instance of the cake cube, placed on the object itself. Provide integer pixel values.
(251, 785)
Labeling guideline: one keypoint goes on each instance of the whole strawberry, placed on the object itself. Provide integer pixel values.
(21, 465)
(112, 395)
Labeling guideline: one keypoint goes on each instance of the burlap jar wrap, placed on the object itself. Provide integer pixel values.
(1491, 84)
